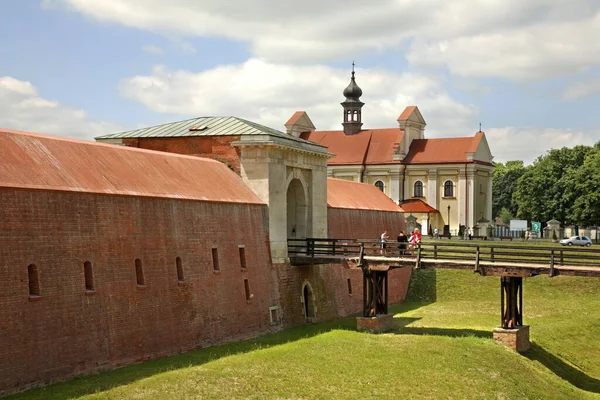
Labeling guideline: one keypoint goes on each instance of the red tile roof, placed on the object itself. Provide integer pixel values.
(49, 163)
(417, 206)
(439, 151)
(294, 118)
(406, 113)
(361, 196)
(372, 146)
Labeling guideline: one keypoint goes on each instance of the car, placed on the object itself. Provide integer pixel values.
(577, 241)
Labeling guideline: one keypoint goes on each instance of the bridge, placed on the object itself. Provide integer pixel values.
(510, 262)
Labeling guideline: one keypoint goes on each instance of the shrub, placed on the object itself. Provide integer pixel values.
(554, 237)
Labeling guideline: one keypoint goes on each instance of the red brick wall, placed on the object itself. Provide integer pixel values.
(216, 147)
(67, 332)
(363, 224)
(330, 282)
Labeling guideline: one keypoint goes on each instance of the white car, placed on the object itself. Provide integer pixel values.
(577, 241)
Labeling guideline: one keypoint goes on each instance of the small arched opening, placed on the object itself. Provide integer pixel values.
(308, 302)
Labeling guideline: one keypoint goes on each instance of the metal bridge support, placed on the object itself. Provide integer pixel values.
(375, 317)
(512, 333)
(375, 292)
(511, 294)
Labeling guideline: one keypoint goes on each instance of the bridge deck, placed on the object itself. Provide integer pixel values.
(487, 259)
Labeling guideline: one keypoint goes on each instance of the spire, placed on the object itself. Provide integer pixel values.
(352, 91)
(352, 107)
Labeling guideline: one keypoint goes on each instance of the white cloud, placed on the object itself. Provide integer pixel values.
(270, 93)
(527, 143)
(582, 89)
(22, 108)
(153, 49)
(502, 38)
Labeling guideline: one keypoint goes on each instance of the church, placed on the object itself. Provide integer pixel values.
(444, 183)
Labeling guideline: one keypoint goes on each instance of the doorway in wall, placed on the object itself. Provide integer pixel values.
(309, 303)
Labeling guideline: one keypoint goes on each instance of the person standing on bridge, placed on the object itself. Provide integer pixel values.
(383, 241)
(402, 242)
(414, 240)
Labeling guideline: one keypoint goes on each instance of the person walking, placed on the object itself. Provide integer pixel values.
(383, 241)
(436, 233)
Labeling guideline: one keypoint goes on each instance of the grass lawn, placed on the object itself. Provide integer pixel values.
(441, 348)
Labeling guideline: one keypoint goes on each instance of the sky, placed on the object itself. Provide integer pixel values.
(529, 72)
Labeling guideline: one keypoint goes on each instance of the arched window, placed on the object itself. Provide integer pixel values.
(380, 185)
(418, 192)
(448, 189)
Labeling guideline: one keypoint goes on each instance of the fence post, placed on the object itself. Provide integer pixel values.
(492, 253)
(333, 247)
(435, 251)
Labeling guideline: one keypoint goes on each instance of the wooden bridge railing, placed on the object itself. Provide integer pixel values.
(490, 252)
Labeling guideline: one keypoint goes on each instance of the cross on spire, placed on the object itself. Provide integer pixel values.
(480, 127)
(352, 68)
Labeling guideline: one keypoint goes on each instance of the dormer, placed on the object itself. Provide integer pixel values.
(299, 123)
(413, 124)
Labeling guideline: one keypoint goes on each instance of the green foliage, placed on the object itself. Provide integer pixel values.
(506, 215)
(562, 184)
(504, 184)
(461, 230)
(522, 235)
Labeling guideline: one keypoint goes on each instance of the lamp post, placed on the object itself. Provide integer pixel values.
(448, 217)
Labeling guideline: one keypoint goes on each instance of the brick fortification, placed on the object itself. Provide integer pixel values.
(113, 256)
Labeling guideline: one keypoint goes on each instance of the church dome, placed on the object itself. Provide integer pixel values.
(352, 91)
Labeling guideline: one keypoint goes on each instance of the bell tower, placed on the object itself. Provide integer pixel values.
(352, 107)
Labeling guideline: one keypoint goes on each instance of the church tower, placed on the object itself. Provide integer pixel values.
(352, 107)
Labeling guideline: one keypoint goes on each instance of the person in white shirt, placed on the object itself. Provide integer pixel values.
(383, 241)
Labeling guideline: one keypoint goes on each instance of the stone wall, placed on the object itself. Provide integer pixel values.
(68, 330)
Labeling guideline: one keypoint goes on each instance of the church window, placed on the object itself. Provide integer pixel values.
(418, 189)
(179, 266)
(89, 276)
(34, 280)
(448, 189)
(380, 185)
(242, 252)
(139, 272)
(215, 259)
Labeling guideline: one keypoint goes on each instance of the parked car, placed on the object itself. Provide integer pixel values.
(577, 241)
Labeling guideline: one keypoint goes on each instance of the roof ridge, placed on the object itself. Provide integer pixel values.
(158, 126)
(101, 144)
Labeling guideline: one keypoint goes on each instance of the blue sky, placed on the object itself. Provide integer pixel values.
(82, 68)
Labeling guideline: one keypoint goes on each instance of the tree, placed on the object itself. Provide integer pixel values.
(585, 181)
(505, 215)
(548, 188)
(504, 184)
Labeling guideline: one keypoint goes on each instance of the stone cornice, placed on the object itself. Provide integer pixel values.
(284, 144)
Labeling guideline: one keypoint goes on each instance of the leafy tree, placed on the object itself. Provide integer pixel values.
(548, 188)
(585, 184)
(504, 184)
(505, 215)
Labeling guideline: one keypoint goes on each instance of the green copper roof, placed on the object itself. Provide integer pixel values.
(202, 126)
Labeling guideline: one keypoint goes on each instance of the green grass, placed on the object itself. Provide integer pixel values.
(440, 348)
